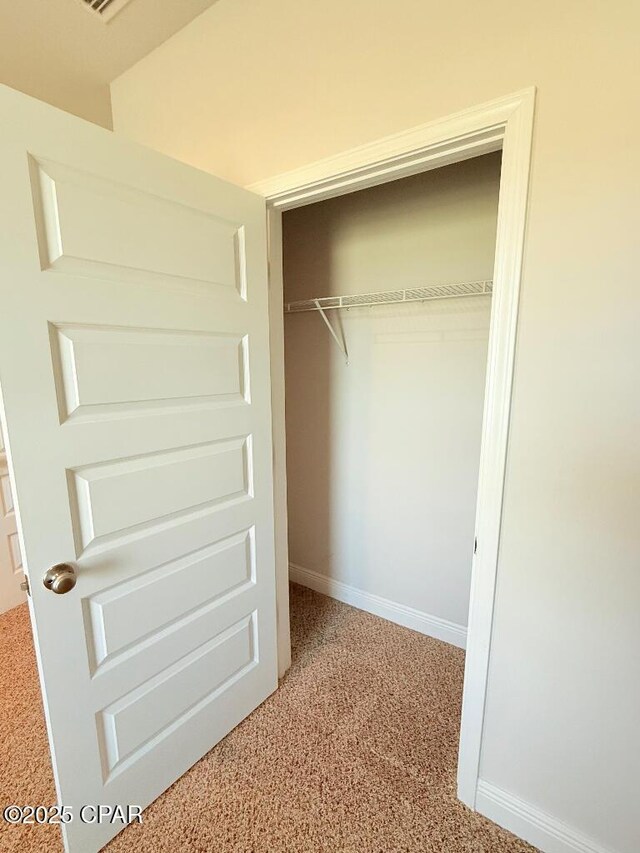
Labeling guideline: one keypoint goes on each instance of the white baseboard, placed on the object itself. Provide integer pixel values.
(409, 617)
(544, 831)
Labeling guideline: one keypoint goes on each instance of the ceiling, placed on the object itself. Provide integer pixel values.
(62, 53)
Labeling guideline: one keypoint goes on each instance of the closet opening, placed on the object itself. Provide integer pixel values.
(387, 307)
(387, 301)
(502, 128)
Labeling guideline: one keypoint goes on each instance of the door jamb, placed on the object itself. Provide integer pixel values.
(505, 124)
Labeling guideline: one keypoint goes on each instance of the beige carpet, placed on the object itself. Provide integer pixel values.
(355, 752)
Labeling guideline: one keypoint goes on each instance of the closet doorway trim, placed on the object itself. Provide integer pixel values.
(505, 124)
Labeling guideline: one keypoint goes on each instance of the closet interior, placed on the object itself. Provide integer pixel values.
(387, 302)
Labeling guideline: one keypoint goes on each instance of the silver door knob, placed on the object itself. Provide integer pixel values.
(60, 578)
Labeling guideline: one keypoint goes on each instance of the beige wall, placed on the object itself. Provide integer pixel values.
(67, 91)
(432, 228)
(64, 55)
(256, 87)
(383, 454)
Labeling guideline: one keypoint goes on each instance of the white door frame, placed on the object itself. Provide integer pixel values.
(505, 124)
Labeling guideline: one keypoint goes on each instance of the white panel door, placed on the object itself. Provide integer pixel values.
(10, 560)
(134, 369)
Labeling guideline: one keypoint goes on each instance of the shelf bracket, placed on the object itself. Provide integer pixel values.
(338, 339)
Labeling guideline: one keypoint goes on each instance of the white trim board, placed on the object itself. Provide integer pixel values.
(531, 823)
(401, 614)
(469, 133)
(505, 124)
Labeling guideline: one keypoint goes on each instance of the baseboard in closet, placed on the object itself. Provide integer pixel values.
(409, 617)
(527, 821)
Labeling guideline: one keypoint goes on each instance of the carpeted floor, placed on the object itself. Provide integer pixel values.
(355, 752)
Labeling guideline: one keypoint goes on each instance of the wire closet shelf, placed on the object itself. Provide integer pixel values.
(392, 297)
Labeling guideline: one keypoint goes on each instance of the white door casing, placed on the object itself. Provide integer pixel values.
(10, 559)
(134, 368)
(506, 124)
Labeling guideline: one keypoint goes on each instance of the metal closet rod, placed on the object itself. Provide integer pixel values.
(392, 297)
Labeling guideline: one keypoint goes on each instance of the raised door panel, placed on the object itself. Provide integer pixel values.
(123, 497)
(122, 618)
(104, 371)
(131, 235)
(148, 713)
